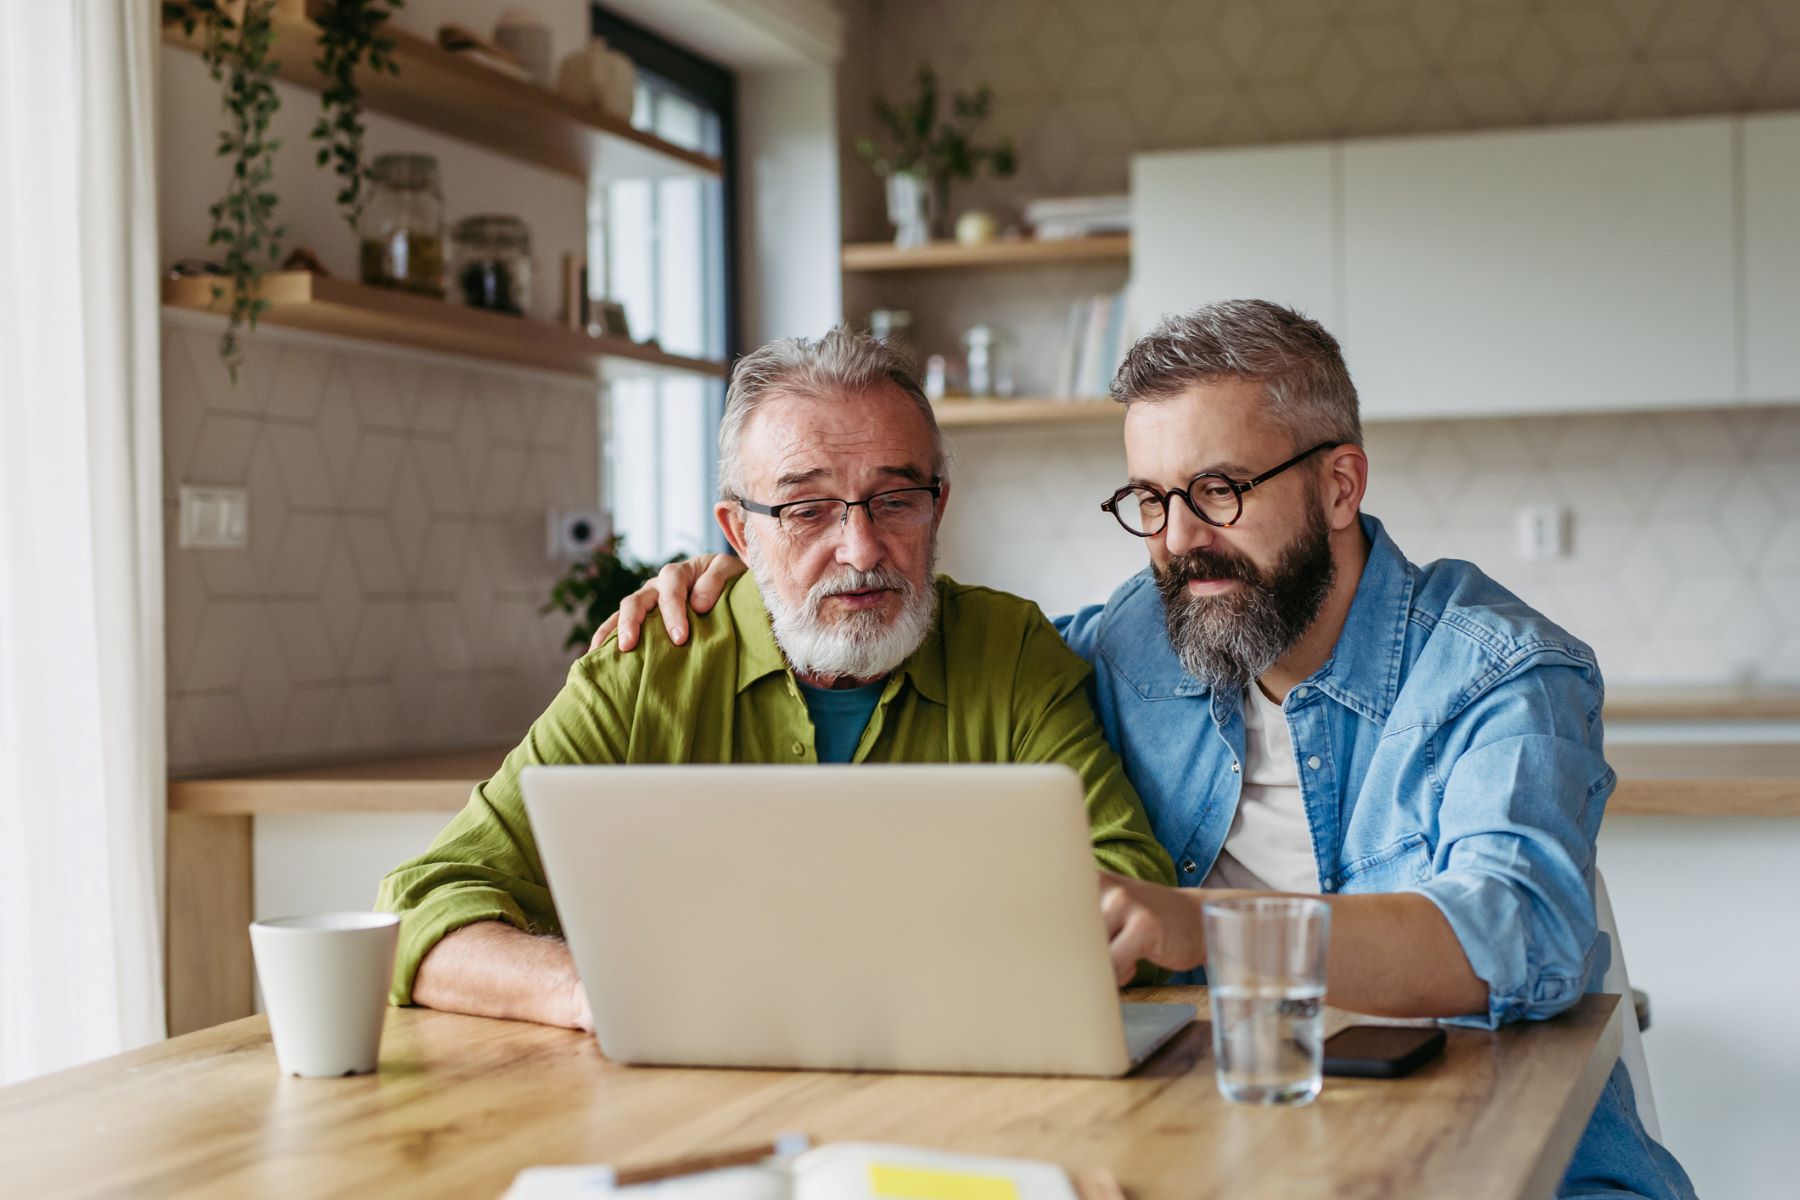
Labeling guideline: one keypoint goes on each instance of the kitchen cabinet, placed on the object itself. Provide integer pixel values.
(1771, 149)
(1619, 267)
(1215, 225)
(1556, 270)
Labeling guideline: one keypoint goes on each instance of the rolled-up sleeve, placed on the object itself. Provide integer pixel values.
(484, 866)
(1524, 786)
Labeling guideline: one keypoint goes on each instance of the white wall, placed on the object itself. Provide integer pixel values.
(1707, 913)
(787, 191)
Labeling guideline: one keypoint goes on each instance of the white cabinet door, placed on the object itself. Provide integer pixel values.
(1211, 225)
(1772, 256)
(1541, 271)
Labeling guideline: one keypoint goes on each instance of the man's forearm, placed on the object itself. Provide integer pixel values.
(490, 969)
(1395, 955)
(1391, 955)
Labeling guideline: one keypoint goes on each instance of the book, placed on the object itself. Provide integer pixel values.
(839, 1171)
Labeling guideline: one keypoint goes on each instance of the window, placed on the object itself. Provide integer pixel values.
(662, 248)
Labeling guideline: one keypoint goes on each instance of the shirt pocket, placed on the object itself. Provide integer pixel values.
(1404, 864)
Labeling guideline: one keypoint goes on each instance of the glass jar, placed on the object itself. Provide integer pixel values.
(491, 261)
(988, 351)
(402, 225)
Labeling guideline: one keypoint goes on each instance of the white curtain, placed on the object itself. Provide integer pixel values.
(81, 627)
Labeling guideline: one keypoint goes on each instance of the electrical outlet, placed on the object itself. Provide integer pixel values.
(1543, 532)
(577, 534)
(214, 518)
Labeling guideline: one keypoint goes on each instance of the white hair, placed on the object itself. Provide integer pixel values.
(840, 364)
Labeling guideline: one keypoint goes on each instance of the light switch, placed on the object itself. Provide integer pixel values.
(214, 518)
(1543, 532)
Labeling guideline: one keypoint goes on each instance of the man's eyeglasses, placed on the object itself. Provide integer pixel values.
(810, 520)
(1215, 498)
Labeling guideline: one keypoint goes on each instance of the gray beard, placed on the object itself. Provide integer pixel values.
(1227, 641)
(863, 645)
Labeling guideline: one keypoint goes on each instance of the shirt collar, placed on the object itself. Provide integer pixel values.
(758, 655)
(1363, 672)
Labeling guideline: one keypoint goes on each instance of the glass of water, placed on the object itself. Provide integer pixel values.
(1265, 967)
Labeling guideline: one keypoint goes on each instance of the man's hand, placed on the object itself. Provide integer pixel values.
(581, 1013)
(696, 582)
(1151, 922)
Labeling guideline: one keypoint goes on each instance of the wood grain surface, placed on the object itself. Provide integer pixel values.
(455, 96)
(345, 308)
(461, 1104)
(1017, 252)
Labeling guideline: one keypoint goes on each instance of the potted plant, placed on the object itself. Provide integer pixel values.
(591, 589)
(928, 153)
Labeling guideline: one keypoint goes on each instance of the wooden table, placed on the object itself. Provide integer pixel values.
(462, 1104)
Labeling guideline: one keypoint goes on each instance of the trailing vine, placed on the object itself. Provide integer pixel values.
(350, 31)
(237, 53)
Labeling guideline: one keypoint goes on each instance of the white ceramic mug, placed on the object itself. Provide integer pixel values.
(325, 984)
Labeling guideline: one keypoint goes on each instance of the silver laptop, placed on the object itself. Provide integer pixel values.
(884, 918)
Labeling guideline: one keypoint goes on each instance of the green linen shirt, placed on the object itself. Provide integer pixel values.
(992, 682)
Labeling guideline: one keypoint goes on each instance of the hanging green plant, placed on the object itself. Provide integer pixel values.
(236, 50)
(350, 33)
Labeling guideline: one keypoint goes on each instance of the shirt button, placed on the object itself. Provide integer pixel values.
(1301, 690)
(1234, 766)
(1312, 761)
(800, 750)
(1189, 866)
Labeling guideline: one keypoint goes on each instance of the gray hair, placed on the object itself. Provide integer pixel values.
(1298, 363)
(842, 363)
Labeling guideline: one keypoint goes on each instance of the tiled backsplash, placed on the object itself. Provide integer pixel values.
(1082, 86)
(1685, 548)
(388, 598)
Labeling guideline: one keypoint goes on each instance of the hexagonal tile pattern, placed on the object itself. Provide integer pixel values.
(1426, 65)
(353, 603)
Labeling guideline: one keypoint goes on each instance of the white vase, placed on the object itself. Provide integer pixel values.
(909, 208)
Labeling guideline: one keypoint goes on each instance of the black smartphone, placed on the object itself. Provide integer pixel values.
(1382, 1051)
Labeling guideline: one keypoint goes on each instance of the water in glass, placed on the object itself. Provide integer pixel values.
(1267, 1042)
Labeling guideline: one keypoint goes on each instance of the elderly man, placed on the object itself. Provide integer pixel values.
(1304, 710)
(844, 648)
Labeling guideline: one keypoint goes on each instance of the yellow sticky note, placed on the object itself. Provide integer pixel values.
(914, 1183)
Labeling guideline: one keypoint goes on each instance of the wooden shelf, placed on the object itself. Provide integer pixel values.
(884, 256)
(301, 300)
(455, 96)
(954, 413)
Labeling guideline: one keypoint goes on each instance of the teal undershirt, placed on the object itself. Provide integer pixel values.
(839, 717)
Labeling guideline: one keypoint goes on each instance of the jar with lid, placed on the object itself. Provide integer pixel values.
(402, 225)
(491, 262)
(989, 355)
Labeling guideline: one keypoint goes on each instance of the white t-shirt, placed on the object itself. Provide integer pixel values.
(1270, 844)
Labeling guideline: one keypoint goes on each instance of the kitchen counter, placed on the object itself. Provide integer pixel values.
(213, 830)
(1749, 778)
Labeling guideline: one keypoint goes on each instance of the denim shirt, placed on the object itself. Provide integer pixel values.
(1451, 746)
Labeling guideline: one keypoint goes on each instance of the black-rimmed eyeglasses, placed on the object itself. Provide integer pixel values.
(808, 520)
(1215, 498)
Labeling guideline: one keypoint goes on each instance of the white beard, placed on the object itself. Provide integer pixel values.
(863, 645)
